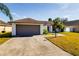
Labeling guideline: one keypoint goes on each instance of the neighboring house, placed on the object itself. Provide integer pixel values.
(5, 26)
(72, 26)
(29, 26)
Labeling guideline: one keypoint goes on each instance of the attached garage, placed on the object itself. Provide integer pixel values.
(29, 27)
(27, 30)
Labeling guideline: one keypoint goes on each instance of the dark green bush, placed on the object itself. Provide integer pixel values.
(3, 31)
(6, 34)
(45, 31)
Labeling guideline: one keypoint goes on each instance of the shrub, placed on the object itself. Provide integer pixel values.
(6, 34)
(45, 31)
(3, 31)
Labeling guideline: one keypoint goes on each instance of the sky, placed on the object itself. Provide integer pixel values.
(42, 11)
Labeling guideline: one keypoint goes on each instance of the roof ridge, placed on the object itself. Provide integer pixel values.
(27, 19)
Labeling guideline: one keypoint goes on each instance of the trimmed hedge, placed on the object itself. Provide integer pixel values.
(6, 34)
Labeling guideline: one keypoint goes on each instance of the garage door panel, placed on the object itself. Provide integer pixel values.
(27, 30)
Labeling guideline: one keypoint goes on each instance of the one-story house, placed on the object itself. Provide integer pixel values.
(72, 26)
(29, 26)
(5, 26)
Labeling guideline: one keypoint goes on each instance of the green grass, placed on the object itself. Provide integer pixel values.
(48, 35)
(4, 37)
(69, 42)
(2, 40)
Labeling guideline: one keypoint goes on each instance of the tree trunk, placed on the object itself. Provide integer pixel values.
(55, 33)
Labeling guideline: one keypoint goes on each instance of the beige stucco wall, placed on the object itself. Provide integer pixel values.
(67, 29)
(45, 27)
(70, 28)
(13, 29)
(76, 28)
(7, 28)
(41, 29)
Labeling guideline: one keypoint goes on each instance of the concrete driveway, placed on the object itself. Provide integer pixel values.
(30, 46)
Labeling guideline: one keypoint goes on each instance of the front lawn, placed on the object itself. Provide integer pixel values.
(4, 37)
(2, 40)
(69, 42)
(48, 35)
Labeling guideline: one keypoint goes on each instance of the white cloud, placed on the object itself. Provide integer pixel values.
(66, 16)
(1, 18)
(64, 6)
(15, 14)
(24, 16)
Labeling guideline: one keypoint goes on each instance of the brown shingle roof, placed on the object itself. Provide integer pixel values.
(33, 21)
(26, 20)
(2, 22)
(71, 23)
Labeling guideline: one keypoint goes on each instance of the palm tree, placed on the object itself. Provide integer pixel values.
(4, 9)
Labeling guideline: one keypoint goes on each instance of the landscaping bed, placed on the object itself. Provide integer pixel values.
(4, 37)
(69, 42)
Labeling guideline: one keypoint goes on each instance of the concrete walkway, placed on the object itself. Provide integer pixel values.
(30, 46)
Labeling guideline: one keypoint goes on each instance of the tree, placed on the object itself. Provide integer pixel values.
(57, 25)
(64, 20)
(4, 9)
(50, 19)
(61, 27)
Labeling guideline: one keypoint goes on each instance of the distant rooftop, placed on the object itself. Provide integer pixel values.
(71, 23)
(2, 22)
